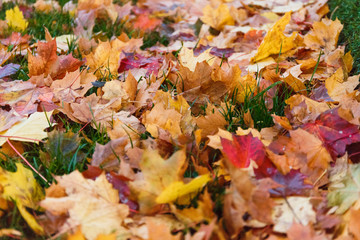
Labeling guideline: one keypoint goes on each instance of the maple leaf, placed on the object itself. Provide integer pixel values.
(275, 39)
(25, 97)
(189, 60)
(131, 61)
(169, 120)
(74, 85)
(313, 147)
(338, 87)
(92, 205)
(335, 132)
(108, 156)
(178, 191)
(304, 109)
(211, 122)
(160, 230)
(7, 119)
(104, 59)
(293, 183)
(46, 6)
(47, 62)
(248, 197)
(100, 6)
(85, 22)
(344, 188)
(21, 187)
(29, 129)
(292, 210)
(153, 180)
(145, 23)
(243, 149)
(324, 35)
(119, 182)
(61, 148)
(16, 39)
(217, 17)
(15, 19)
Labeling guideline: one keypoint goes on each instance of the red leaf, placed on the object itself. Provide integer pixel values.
(354, 152)
(66, 64)
(242, 149)
(152, 64)
(335, 132)
(145, 23)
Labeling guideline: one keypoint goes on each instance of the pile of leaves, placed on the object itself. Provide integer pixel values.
(177, 120)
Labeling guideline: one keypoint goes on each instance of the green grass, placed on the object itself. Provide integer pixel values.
(58, 23)
(348, 12)
(257, 105)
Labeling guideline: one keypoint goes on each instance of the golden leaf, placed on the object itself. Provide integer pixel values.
(15, 19)
(180, 191)
(324, 35)
(276, 40)
(22, 187)
(157, 174)
(337, 87)
(217, 17)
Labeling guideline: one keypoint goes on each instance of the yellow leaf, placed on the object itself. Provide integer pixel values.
(21, 187)
(29, 128)
(324, 35)
(295, 84)
(218, 17)
(157, 174)
(275, 39)
(105, 59)
(177, 190)
(15, 19)
(337, 87)
(76, 236)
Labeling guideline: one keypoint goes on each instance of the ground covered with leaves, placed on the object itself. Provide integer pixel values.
(179, 119)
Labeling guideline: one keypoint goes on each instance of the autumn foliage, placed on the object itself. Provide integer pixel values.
(199, 120)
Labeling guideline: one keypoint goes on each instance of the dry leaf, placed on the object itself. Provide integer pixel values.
(276, 40)
(92, 205)
(22, 187)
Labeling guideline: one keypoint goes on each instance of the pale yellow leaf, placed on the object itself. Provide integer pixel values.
(29, 129)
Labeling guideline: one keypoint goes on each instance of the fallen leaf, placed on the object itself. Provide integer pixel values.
(15, 19)
(324, 35)
(217, 17)
(21, 187)
(338, 87)
(344, 188)
(276, 40)
(182, 193)
(243, 149)
(92, 205)
(29, 129)
(146, 23)
(153, 180)
(292, 210)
